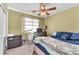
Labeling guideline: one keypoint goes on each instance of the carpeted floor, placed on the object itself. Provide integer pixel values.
(26, 49)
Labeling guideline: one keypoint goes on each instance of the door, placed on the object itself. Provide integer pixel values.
(2, 30)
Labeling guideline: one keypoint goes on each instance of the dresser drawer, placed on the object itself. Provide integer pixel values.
(14, 45)
(14, 41)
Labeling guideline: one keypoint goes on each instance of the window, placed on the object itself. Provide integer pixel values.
(30, 25)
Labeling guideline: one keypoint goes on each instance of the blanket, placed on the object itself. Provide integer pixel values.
(60, 46)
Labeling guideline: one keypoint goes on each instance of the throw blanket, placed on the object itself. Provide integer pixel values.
(63, 47)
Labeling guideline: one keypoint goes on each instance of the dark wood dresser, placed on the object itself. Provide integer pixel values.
(14, 41)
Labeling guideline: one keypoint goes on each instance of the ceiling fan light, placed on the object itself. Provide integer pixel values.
(43, 13)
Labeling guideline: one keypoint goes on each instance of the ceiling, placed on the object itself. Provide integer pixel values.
(27, 7)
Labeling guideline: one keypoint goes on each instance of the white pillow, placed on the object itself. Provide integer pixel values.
(54, 33)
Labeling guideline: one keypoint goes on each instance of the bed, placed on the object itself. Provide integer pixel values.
(52, 46)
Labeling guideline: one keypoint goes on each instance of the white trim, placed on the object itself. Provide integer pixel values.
(2, 6)
(4, 21)
(24, 12)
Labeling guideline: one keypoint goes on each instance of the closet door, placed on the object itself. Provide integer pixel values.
(2, 30)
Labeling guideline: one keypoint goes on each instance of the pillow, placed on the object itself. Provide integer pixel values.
(75, 36)
(65, 36)
(54, 33)
(61, 35)
(58, 34)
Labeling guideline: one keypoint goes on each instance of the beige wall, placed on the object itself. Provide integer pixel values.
(64, 21)
(15, 22)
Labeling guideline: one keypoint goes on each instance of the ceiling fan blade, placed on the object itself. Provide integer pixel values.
(47, 13)
(50, 9)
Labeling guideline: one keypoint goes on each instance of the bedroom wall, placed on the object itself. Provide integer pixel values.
(65, 21)
(15, 22)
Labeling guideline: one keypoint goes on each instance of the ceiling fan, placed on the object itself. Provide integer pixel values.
(43, 10)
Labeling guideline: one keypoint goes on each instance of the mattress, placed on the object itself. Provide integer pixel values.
(57, 47)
